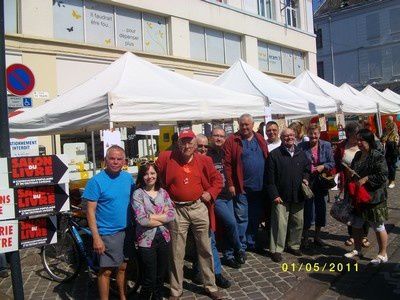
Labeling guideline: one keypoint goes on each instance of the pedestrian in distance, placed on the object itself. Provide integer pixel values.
(108, 196)
(153, 210)
(273, 139)
(390, 140)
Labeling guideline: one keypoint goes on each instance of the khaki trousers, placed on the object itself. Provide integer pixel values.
(195, 215)
(286, 219)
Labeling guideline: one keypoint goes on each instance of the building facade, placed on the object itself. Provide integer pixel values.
(65, 42)
(358, 42)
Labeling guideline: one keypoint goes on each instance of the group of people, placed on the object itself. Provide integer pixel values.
(230, 185)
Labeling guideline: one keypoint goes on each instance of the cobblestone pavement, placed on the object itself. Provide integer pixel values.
(259, 278)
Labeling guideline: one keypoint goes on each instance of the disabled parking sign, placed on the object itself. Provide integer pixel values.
(20, 80)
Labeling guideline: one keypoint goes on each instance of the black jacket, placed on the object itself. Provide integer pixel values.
(284, 174)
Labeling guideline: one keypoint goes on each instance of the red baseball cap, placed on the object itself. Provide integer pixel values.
(186, 134)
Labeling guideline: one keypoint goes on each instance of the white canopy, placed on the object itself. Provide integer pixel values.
(134, 91)
(385, 106)
(392, 95)
(382, 98)
(283, 98)
(349, 103)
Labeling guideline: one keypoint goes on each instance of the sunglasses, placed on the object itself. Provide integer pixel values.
(202, 146)
(147, 162)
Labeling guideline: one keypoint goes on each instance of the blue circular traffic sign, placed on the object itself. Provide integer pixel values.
(20, 79)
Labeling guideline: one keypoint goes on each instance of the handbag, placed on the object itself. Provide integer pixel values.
(307, 192)
(358, 193)
(341, 210)
(325, 181)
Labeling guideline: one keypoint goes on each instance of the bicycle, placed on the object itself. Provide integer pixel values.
(64, 260)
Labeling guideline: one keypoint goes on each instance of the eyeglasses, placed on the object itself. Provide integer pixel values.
(202, 146)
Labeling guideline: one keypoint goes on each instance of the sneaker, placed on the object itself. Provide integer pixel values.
(391, 185)
(295, 252)
(276, 257)
(353, 254)
(221, 281)
(232, 262)
(379, 259)
(241, 257)
(4, 274)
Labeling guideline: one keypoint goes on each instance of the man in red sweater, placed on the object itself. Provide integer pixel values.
(245, 155)
(193, 184)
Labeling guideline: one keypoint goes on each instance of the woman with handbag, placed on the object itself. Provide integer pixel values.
(344, 155)
(368, 193)
(319, 153)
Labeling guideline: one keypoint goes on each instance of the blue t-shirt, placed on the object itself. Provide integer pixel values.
(112, 194)
(253, 165)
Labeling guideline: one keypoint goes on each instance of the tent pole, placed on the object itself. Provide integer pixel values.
(379, 121)
(147, 145)
(151, 145)
(93, 154)
(53, 144)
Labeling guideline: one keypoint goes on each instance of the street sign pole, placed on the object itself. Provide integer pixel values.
(12, 257)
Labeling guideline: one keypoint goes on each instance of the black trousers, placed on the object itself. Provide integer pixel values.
(155, 263)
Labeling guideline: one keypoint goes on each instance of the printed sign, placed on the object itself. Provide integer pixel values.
(20, 79)
(37, 232)
(37, 170)
(8, 236)
(18, 102)
(7, 204)
(28, 146)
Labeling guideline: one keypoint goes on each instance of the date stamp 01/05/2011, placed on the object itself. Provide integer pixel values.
(319, 267)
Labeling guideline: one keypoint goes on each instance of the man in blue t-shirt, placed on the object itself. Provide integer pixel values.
(108, 196)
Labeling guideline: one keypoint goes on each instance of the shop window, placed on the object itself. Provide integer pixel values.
(155, 34)
(287, 61)
(68, 20)
(215, 45)
(129, 29)
(372, 26)
(274, 59)
(197, 42)
(394, 20)
(263, 56)
(320, 69)
(298, 58)
(319, 38)
(99, 24)
(10, 16)
(232, 48)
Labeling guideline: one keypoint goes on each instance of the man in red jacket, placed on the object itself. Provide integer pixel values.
(245, 155)
(193, 184)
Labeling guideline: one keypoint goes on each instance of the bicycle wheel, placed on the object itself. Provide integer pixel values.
(132, 277)
(62, 260)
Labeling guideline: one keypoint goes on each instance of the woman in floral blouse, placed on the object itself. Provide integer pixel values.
(153, 210)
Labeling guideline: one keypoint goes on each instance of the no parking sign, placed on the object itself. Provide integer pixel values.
(20, 79)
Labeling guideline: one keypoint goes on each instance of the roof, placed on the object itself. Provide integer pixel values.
(330, 6)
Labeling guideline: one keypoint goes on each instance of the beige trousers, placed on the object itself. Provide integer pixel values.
(286, 219)
(195, 215)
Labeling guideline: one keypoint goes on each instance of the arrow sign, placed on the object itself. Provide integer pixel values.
(37, 170)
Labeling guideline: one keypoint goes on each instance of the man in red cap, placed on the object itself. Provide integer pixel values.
(193, 184)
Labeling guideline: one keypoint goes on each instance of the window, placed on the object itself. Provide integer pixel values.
(298, 62)
(265, 8)
(278, 59)
(290, 9)
(107, 25)
(320, 69)
(129, 29)
(319, 38)
(394, 19)
(372, 26)
(10, 16)
(214, 45)
(396, 60)
(375, 63)
(99, 23)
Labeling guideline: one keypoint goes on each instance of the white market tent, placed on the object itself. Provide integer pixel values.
(385, 106)
(381, 97)
(348, 102)
(392, 95)
(133, 91)
(282, 98)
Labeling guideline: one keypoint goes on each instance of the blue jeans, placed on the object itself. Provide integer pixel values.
(225, 215)
(217, 261)
(315, 211)
(240, 207)
(256, 207)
